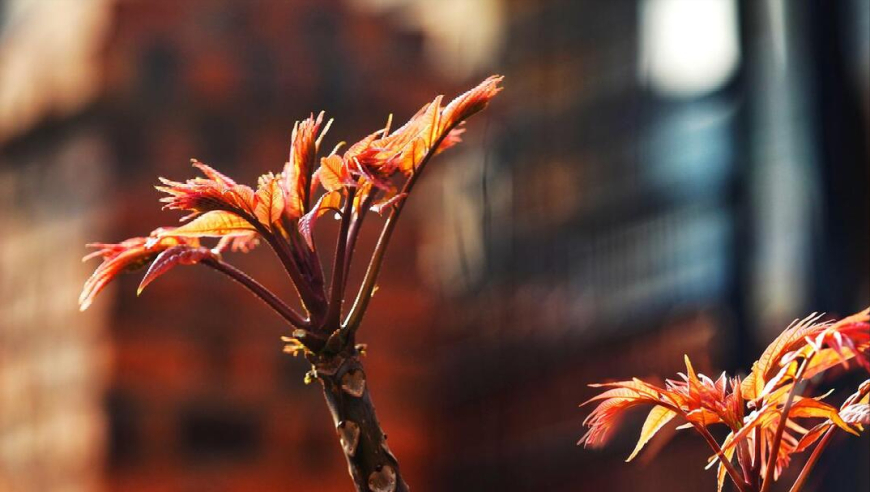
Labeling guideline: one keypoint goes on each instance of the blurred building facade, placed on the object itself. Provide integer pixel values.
(629, 198)
(53, 361)
(606, 230)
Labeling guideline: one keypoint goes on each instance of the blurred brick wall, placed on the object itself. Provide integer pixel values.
(53, 360)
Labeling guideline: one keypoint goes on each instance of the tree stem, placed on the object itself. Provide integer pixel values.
(371, 465)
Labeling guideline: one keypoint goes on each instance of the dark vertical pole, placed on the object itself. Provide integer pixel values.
(743, 250)
(843, 239)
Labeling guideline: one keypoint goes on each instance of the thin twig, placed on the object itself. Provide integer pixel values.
(729, 467)
(756, 462)
(306, 257)
(355, 226)
(284, 253)
(743, 459)
(811, 462)
(780, 428)
(336, 295)
(310, 300)
(258, 290)
(365, 293)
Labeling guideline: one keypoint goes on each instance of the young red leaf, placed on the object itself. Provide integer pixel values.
(199, 195)
(327, 202)
(303, 150)
(212, 174)
(127, 256)
(812, 436)
(471, 102)
(169, 258)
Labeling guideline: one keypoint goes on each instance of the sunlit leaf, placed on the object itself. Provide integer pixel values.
(332, 173)
(810, 408)
(657, 418)
(471, 102)
(768, 360)
(213, 224)
(787, 371)
(269, 199)
(826, 359)
(432, 129)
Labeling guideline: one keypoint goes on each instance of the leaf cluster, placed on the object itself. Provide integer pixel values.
(766, 413)
(374, 174)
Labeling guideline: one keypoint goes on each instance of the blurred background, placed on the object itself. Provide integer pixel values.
(659, 177)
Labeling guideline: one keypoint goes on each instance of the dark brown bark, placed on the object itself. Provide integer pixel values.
(370, 463)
